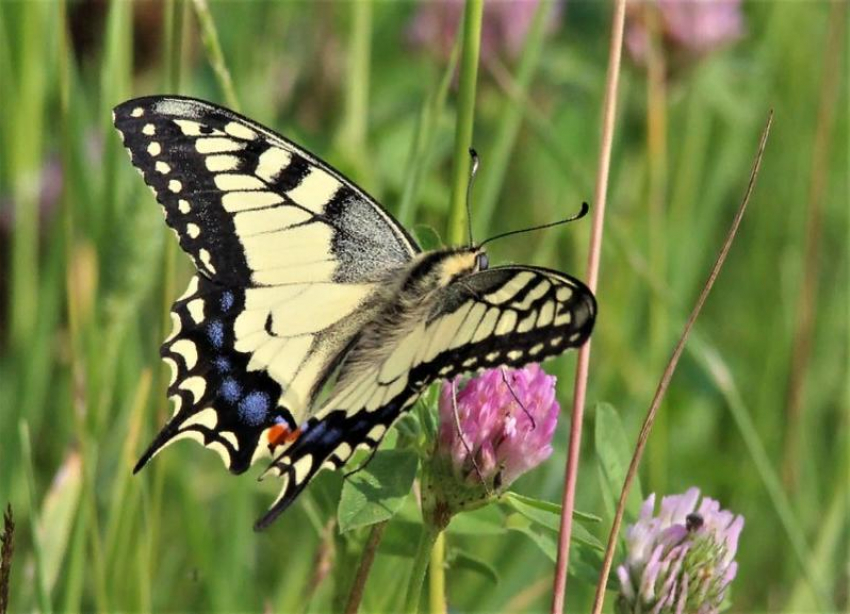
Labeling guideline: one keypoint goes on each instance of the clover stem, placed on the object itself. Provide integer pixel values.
(427, 539)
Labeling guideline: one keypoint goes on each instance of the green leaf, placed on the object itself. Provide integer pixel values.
(487, 520)
(614, 453)
(57, 516)
(548, 506)
(408, 429)
(426, 410)
(460, 559)
(428, 237)
(547, 517)
(585, 565)
(544, 541)
(377, 492)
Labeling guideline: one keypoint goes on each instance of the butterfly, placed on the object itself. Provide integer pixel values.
(314, 320)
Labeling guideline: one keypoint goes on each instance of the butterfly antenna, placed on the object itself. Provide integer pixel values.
(472, 172)
(363, 465)
(584, 209)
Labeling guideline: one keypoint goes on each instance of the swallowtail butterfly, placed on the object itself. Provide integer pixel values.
(303, 280)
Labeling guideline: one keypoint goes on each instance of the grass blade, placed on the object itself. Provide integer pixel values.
(725, 382)
(39, 548)
(215, 55)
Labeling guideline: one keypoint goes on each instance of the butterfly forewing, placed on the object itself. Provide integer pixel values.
(252, 208)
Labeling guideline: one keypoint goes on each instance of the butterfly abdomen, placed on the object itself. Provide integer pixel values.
(404, 304)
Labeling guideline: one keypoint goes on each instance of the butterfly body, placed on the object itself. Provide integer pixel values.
(407, 298)
(314, 320)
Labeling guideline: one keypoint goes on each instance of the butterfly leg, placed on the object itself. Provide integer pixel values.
(516, 398)
(363, 465)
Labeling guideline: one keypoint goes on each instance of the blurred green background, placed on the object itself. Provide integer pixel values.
(757, 415)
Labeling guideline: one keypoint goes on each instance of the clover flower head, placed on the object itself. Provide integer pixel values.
(507, 418)
(691, 27)
(682, 560)
(505, 25)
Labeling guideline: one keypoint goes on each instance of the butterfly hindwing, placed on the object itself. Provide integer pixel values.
(218, 401)
(504, 316)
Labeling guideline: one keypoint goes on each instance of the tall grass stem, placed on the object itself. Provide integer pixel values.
(173, 52)
(656, 149)
(355, 124)
(511, 119)
(422, 147)
(27, 106)
(468, 78)
(209, 35)
(719, 372)
(595, 253)
(541, 127)
(465, 117)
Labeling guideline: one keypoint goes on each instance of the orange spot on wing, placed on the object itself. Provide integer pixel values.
(280, 434)
(277, 435)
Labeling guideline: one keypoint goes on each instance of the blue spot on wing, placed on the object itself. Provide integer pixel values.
(215, 331)
(230, 390)
(222, 364)
(320, 432)
(254, 408)
(331, 436)
(226, 301)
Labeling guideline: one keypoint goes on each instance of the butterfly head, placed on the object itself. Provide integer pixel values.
(461, 262)
(482, 260)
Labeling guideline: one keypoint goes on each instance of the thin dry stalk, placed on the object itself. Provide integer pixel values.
(7, 548)
(600, 195)
(366, 560)
(323, 560)
(668, 375)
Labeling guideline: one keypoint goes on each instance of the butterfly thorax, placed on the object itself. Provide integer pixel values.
(407, 303)
(437, 269)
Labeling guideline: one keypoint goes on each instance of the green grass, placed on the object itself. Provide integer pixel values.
(85, 284)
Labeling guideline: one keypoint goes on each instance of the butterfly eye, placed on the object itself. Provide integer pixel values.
(483, 261)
